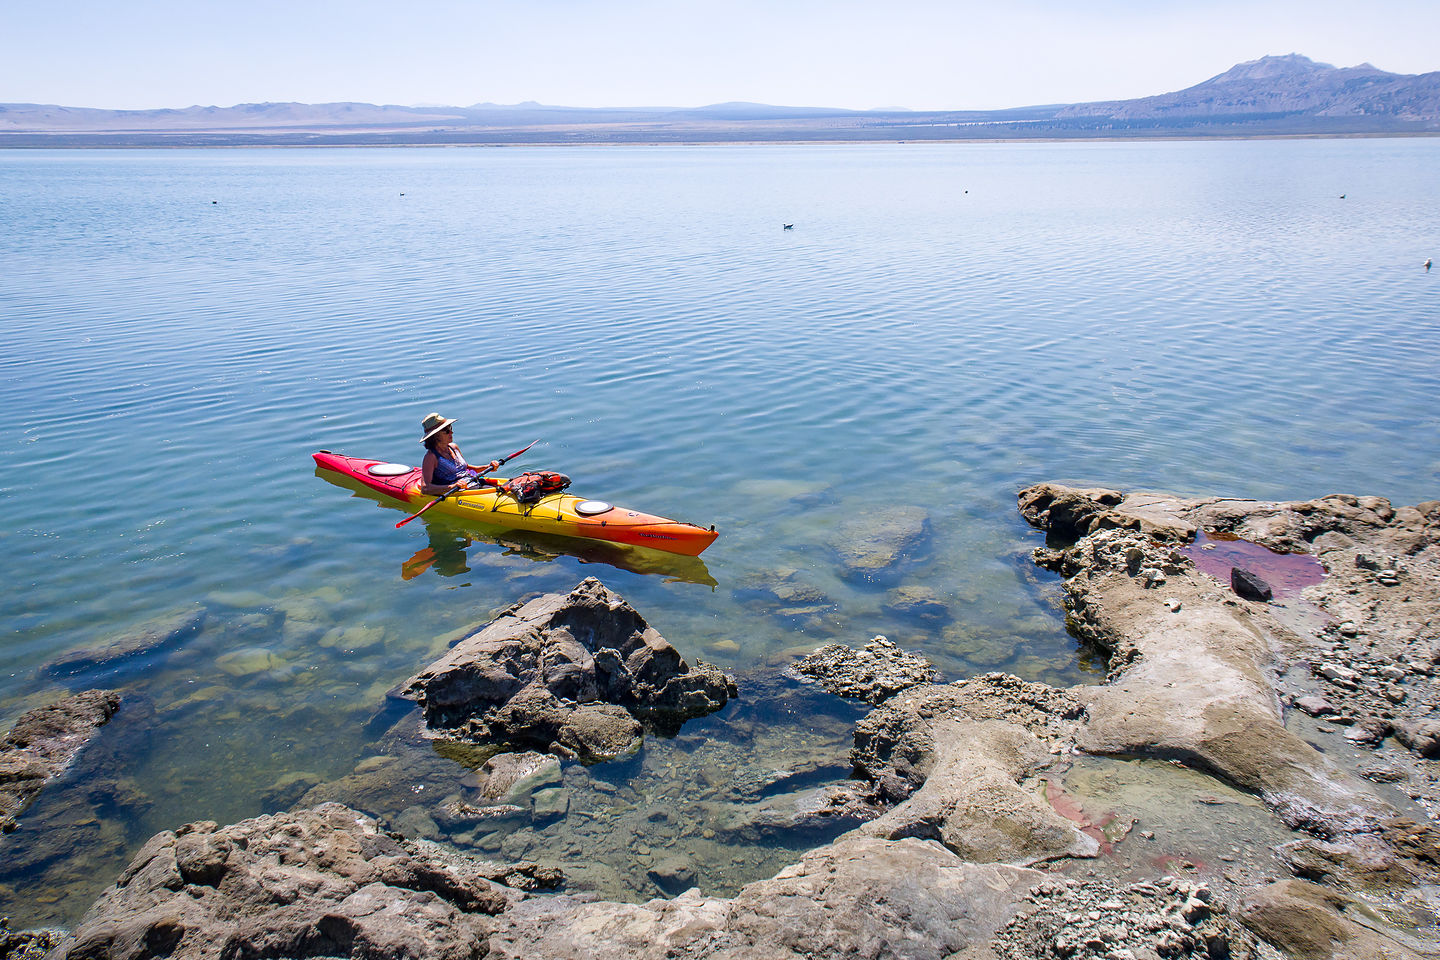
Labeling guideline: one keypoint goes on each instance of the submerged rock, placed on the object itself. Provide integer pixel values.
(673, 875)
(916, 602)
(573, 674)
(817, 811)
(506, 776)
(42, 744)
(160, 635)
(870, 544)
(784, 593)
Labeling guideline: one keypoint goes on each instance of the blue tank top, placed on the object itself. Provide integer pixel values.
(447, 471)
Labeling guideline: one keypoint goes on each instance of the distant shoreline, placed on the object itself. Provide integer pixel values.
(1274, 97)
(838, 141)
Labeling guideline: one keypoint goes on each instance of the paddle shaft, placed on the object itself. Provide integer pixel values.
(477, 476)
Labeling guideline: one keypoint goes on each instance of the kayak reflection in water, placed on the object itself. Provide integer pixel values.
(444, 468)
(445, 555)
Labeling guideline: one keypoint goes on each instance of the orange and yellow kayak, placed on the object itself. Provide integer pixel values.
(556, 513)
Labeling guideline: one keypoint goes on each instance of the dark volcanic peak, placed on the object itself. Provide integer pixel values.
(1287, 85)
(1272, 68)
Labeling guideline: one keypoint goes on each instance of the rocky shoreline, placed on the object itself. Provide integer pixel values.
(1307, 680)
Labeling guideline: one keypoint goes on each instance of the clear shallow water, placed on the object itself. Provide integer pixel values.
(944, 325)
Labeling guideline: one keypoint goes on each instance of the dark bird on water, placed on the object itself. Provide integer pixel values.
(788, 226)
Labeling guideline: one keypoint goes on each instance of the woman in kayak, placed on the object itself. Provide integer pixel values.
(444, 468)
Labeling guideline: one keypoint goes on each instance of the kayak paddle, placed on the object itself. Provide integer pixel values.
(477, 476)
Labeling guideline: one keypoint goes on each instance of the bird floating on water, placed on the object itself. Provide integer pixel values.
(1427, 263)
(788, 226)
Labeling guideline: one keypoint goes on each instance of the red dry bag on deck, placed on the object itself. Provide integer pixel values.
(531, 486)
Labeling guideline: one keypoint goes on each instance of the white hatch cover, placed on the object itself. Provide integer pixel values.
(589, 508)
(388, 469)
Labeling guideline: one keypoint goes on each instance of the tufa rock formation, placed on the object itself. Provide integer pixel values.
(580, 675)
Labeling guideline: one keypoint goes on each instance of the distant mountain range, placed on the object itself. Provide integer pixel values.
(1273, 96)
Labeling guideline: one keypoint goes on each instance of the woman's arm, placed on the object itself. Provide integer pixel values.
(461, 457)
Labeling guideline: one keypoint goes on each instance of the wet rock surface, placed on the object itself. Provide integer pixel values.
(1201, 675)
(606, 826)
(43, 743)
(954, 757)
(578, 674)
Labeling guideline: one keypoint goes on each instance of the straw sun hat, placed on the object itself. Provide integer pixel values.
(433, 424)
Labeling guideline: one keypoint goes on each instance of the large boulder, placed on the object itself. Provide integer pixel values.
(320, 882)
(576, 674)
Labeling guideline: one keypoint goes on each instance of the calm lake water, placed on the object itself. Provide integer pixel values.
(944, 325)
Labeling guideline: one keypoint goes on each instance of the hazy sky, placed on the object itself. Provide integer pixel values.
(923, 54)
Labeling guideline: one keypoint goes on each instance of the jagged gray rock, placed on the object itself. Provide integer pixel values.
(575, 674)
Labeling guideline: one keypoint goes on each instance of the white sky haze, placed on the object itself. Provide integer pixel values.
(921, 54)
